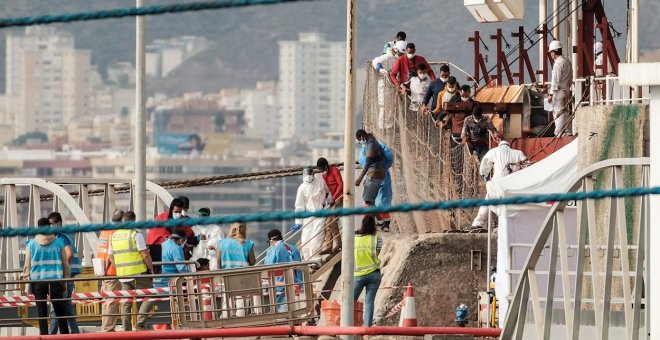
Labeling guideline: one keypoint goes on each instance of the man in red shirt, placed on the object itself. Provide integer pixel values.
(156, 236)
(405, 64)
(333, 180)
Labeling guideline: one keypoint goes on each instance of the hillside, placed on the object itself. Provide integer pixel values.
(246, 47)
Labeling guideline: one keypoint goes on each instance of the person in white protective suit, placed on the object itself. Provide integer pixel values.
(313, 195)
(383, 65)
(209, 237)
(502, 161)
(560, 89)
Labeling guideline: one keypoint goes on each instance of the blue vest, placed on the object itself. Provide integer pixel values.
(234, 254)
(172, 252)
(46, 261)
(76, 264)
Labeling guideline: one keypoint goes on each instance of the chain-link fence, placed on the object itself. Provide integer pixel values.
(429, 163)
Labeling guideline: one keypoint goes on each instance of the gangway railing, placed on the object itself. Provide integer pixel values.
(258, 295)
(596, 294)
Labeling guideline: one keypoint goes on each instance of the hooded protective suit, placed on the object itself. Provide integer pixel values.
(312, 197)
(502, 160)
(383, 64)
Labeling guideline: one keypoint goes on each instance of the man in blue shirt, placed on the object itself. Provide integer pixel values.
(282, 252)
(435, 87)
(172, 252)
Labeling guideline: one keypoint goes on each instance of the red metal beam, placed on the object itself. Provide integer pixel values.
(266, 331)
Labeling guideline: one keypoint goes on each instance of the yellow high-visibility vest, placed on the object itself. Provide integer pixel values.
(366, 255)
(128, 260)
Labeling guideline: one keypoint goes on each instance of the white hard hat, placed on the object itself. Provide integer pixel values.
(400, 46)
(554, 45)
(598, 47)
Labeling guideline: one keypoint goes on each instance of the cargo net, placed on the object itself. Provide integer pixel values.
(430, 164)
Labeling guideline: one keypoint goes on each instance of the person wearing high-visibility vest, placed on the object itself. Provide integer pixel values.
(367, 265)
(55, 219)
(110, 311)
(128, 252)
(236, 251)
(45, 261)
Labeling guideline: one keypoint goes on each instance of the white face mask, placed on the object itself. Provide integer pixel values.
(451, 89)
(184, 213)
(444, 79)
(477, 119)
(411, 55)
(422, 76)
(361, 142)
(308, 178)
(176, 216)
(465, 99)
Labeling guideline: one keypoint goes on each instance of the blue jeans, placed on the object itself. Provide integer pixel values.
(69, 310)
(371, 282)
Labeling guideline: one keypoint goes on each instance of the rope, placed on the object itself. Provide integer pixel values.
(178, 184)
(287, 215)
(134, 11)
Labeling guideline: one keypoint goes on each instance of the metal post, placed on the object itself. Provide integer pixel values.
(488, 263)
(634, 31)
(653, 301)
(543, 13)
(140, 176)
(574, 38)
(348, 230)
(555, 20)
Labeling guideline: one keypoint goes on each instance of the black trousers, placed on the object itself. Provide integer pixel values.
(56, 291)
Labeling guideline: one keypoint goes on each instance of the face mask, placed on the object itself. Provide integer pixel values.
(422, 76)
(477, 118)
(308, 178)
(444, 79)
(411, 55)
(451, 89)
(324, 172)
(361, 142)
(465, 99)
(184, 213)
(176, 216)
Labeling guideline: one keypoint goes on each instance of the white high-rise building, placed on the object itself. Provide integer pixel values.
(47, 79)
(311, 87)
(261, 113)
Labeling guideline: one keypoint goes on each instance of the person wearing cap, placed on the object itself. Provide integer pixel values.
(109, 310)
(312, 195)
(559, 94)
(383, 65)
(209, 237)
(407, 64)
(281, 252)
(500, 161)
(173, 252)
(192, 240)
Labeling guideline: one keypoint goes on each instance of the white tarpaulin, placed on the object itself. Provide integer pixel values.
(520, 224)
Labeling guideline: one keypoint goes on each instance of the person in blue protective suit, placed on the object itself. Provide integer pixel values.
(75, 264)
(282, 252)
(384, 196)
(173, 252)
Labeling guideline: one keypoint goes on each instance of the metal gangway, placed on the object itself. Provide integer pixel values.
(591, 282)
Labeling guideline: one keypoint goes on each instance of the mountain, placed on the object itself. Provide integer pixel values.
(246, 48)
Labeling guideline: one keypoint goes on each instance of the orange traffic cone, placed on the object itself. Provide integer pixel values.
(408, 313)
